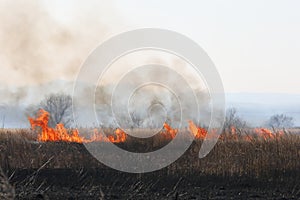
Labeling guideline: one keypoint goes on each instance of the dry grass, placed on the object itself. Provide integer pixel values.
(229, 157)
(259, 162)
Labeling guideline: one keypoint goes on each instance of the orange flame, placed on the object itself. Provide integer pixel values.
(60, 133)
(170, 132)
(233, 130)
(198, 132)
(120, 136)
(264, 133)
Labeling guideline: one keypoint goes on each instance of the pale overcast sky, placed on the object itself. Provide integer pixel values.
(254, 44)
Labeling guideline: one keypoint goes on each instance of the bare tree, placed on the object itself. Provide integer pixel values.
(136, 118)
(59, 106)
(280, 121)
(233, 120)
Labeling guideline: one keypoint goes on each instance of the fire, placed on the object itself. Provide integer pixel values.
(198, 132)
(98, 137)
(264, 133)
(170, 132)
(120, 136)
(50, 134)
(233, 130)
(60, 133)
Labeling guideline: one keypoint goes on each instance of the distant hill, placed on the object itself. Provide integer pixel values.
(256, 108)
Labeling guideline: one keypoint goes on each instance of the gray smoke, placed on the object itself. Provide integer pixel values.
(40, 54)
(36, 48)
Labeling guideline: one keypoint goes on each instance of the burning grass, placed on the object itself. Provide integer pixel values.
(60, 133)
(229, 156)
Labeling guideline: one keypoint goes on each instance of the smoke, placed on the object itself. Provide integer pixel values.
(41, 51)
(149, 105)
(36, 48)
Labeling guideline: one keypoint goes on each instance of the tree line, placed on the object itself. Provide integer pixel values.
(60, 108)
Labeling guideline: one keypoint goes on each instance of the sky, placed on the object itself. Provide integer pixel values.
(254, 44)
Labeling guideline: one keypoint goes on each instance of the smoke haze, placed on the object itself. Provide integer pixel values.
(36, 48)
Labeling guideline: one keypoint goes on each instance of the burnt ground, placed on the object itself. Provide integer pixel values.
(110, 184)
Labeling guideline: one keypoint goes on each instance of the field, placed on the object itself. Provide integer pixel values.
(235, 169)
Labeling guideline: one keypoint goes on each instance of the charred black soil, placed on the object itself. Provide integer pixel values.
(110, 184)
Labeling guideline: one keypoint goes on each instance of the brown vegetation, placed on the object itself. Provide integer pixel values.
(275, 162)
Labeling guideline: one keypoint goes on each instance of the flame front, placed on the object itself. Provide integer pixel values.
(198, 132)
(60, 133)
(170, 133)
(264, 133)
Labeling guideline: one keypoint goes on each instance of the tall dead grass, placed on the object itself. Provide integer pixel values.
(231, 156)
